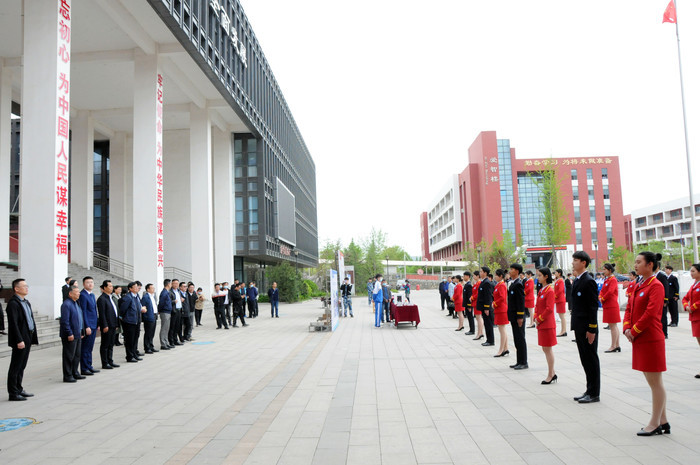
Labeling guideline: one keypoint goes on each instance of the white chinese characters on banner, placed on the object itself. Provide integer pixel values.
(62, 107)
(159, 175)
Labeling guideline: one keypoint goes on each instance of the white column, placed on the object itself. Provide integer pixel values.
(117, 197)
(178, 251)
(145, 170)
(223, 205)
(201, 230)
(5, 121)
(81, 189)
(43, 169)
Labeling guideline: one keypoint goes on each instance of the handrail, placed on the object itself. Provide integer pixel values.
(171, 272)
(112, 266)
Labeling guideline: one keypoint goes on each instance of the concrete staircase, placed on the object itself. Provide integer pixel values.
(47, 331)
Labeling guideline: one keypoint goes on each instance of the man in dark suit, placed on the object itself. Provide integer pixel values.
(191, 300)
(165, 309)
(674, 294)
(444, 298)
(148, 300)
(130, 309)
(484, 301)
(584, 320)
(108, 320)
(274, 295)
(185, 326)
(21, 334)
(466, 296)
(66, 288)
(88, 304)
(238, 304)
(667, 296)
(176, 315)
(218, 298)
(252, 300)
(72, 332)
(516, 315)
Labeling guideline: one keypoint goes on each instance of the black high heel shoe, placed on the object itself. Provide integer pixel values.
(654, 432)
(666, 427)
(459, 329)
(503, 354)
(616, 349)
(480, 337)
(553, 380)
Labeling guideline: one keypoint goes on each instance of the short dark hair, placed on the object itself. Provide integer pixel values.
(547, 273)
(669, 267)
(174, 279)
(199, 288)
(501, 273)
(583, 256)
(16, 282)
(517, 267)
(72, 282)
(166, 282)
(131, 284)
(468, 273)
(68, 278)
(86, 278)
(139, 283)
(183, 283)
(105, 283)
(377, 276)
(560, 271)
(486, 269)
(148, 285)
(696, 266)
(529, 273)
(117, 287)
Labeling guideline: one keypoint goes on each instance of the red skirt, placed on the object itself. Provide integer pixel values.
(546, 337)
(477, 312)
(561, 307)
(611, 315)
(649, 356)
(696, 328)
(500, 318)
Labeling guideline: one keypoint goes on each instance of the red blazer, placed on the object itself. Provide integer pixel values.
(500, 298)
(529, 293)
(457, 298)
(475, 293)
(609, 293)
(559, 291)
(692, 299)
(644, 308)
(630, 288)
(545, 308)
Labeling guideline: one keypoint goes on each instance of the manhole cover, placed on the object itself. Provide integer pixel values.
(9, 424)
(202, 343)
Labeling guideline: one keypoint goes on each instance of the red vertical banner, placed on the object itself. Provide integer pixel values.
(159, 172)
(62, 109)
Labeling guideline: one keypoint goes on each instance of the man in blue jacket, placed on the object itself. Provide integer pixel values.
(274, 294)
(252, 300)
(444, 286)
(165, 307)
(149, 319)
(72, 332)
(129, 310)
(88, 305)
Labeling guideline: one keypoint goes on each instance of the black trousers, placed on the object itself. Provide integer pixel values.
(71, 355)
(469, 315)
(107, 346)
(227, 308)
(673, 310)
(251, 308)
(664, 320)
(588, 353)
(220, 315)
(488, 325)
(18, 362)
(2, 319)
(386, 305)
(443, 300)
(519, 341)
(131, 340)
(239, 314)
(198, 317)
(175, 323)
(149, 330)
(185, 327)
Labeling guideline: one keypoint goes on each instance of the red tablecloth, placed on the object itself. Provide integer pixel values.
(401, 313)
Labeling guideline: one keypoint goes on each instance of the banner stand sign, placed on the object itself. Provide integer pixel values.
(334, 300)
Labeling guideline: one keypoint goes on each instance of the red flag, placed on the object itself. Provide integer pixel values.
(670, 13)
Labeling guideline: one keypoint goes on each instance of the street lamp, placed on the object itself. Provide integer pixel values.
(387, 266)
(595, 244)
(478, 250)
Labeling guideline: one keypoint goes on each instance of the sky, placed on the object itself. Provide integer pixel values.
(389, 94)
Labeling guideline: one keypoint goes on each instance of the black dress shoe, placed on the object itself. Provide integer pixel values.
(168, 348)
(459, 329)
(616, 349)
(245, 324)
(561, 335)
(514, 365)
(78, 376)
(139, 358)
(588, 399)
(485, 344)
(94, 370)
(666, 427)
(26, 394)
(107, 367)
(70, 380)
(502, 354)
(521, 367)
(86, 373)
(469, 333)
(114, 365)
(133, 360)
(654, 432)
(17, 398)
(181, 344)
(149, 352)
(480, 337)
(139, 354)
(155, 350)
(577, 398)
(673, 325)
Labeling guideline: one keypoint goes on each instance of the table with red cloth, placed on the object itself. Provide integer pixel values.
(404, 313)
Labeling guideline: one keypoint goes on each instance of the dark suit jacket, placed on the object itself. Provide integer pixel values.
(185, 304)
(165, 303)
(150, 311)
(17, 326)
(273, 294)
(130, 309)
(584, 304)
(567, 283)
(484, 299)
(89, 305)
(467, 294)
(674, 287)
(516, 301)
(106, 318)
(70, 319)
(237, 300)
(663, 279)
(191, 299)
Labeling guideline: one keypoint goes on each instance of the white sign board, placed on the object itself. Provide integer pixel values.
(334, 300)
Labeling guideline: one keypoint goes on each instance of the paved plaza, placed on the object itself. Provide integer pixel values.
(273, 393)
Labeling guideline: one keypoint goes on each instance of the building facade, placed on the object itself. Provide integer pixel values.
(668, 222)
(498, 192)
(174, 148)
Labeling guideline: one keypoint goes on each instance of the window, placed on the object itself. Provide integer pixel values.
(589, 174)
(238, 172)
(607, 213)
(608, 233)
(657, 218)
(576, 194)
(604, 173)
(594, 234)
(252, 159)
(252, 171)
(606, 192)
(574, 175)
(677, 213)
(240, 245)
(252, 202)
(592, 211)
(252, 187)
(577, 213)
(591, 195)
(641, 221)
(253, 245)
(239, 187)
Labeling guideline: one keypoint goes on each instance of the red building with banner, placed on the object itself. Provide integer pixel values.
(497, 192)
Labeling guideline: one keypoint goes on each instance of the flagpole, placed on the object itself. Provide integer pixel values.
(694, 228)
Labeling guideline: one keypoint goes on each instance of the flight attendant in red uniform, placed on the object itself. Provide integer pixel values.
(477, 313)
(500, 312)
(560, 299)
(611, 307)
(545, 321)
(642, 327)
(529, 287)
(457, 299)
(691, 302)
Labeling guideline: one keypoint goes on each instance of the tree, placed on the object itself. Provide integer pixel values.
(372, 248)
(622, 258)
(501, 253)
(353, 254)
(556, 228)
(288, 281)
(395, 252)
